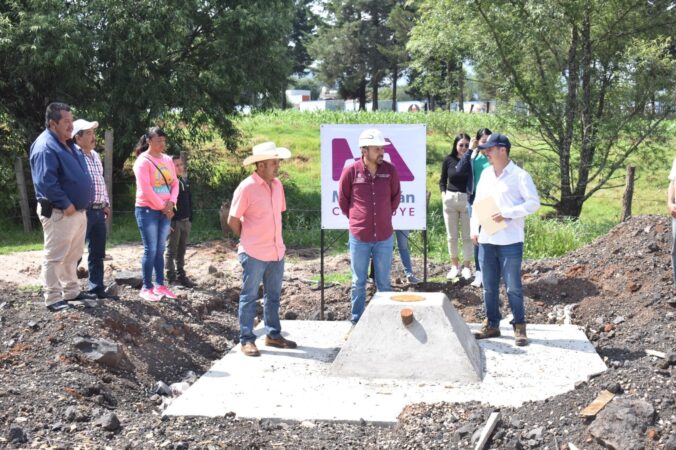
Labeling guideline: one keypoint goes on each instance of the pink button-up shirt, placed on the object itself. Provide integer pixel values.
(260, 208)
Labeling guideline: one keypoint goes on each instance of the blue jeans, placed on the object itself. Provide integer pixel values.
(96, 237)
(271, 274)
(360, 256)
(673, 249)
(505, 261)
(154, 227)
(402, 246)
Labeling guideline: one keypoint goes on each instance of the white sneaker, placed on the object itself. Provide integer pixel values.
(453, 273)
(466, 273)
(478, 279)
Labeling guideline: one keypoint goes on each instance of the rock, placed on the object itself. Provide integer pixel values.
(129, 278)
(190, 377)
(108, 421)
(76, 414)
(671, 358)
(476, 436)
(671, 443)
(99, 350)
(514, 444)
(516, 423)
(612, 386)
(179, 388)
(290, 315)
(618, 320)
(161, 388)
(181, 446)
(580, 384)
(622, 423)
(82, 273)
(113, 289)
(464, 430)
(535, 434)
(16, 435)
(212, 270)
(33, 325)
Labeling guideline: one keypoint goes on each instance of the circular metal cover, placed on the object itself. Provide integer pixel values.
(407, 298)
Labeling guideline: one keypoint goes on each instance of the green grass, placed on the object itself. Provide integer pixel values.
(301, 176)
(339, 277)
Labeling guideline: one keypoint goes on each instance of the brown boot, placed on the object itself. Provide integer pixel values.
(250, 349)
(279, 342)
(520, 337)
(487, 332)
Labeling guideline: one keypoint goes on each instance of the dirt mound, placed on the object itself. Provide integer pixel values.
(89, 377)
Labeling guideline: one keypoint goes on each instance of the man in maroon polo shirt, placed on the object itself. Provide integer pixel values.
(368, 194)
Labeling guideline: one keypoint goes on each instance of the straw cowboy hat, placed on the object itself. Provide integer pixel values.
(267, 150)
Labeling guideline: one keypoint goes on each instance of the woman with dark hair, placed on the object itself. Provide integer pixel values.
(473, 163)
(156, 193)
(453, 187)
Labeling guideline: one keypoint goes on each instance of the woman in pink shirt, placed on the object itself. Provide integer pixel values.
(156, 193)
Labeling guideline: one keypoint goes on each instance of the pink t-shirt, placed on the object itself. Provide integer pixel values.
(260, 210)
(151, 190)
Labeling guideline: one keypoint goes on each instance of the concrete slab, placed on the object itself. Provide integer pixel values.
(296, 384)
(437, 346)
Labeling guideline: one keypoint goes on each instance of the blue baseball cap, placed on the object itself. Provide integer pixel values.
(496, 140)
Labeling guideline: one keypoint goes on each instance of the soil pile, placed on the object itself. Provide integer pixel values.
(99, 377)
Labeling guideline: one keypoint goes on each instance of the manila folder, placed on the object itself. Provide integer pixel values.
(484, 209)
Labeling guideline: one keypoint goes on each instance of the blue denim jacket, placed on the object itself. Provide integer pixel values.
(58, 175)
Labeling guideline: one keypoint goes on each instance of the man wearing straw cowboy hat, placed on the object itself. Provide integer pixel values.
(256, 217)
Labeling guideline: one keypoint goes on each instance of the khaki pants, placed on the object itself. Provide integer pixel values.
(64, 244)
(455, 211)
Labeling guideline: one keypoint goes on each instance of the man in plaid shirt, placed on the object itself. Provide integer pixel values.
(98, 211)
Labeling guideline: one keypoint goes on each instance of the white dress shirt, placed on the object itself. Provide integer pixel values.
(516, 197)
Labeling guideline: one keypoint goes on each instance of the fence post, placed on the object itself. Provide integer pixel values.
(23, 195)
(628, 194)
(108, 173)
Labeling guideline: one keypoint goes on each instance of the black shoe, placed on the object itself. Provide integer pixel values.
(83, 296)
(104, 295)
(186, 282)
(58, 306)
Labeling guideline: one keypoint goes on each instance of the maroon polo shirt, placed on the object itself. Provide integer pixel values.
(369, 202)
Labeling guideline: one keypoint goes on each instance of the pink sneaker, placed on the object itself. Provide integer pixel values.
(163, 291)
(149, 295)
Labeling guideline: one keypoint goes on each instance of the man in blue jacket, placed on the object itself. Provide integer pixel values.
(64, 190)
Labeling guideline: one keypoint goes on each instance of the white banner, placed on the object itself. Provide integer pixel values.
(407, 151)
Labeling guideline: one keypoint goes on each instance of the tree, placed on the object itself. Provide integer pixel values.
(437, 62)
(400, 21)
(348, 46)
(595, 79)
(129, 63)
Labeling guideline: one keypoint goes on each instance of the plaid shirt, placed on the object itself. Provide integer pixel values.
(95, 169)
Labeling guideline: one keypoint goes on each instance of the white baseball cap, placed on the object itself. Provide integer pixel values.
(371, 136)
(81, 124)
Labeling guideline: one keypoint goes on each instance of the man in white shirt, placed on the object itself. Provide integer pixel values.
(500, 254)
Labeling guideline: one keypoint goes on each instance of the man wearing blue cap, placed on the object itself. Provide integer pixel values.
(500, 253)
